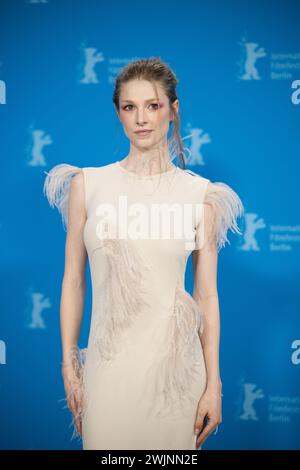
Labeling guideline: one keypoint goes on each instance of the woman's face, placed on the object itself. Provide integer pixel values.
(140, 109)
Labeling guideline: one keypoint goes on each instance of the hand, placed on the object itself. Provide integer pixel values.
(209, 408)
(73, 390)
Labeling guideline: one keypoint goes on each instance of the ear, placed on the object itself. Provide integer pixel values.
(175, 107)
(117, 112)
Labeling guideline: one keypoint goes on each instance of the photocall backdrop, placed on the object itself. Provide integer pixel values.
(239, 91)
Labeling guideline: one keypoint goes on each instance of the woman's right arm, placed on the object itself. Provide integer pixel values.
(73, 284)
(73, 294)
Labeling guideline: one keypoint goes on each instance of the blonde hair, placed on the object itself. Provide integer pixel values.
(154, 70)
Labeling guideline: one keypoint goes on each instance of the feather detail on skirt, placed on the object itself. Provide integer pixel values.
(122, 295)
(179, 368)
(57, 188)
(76, 393)
(226, 207)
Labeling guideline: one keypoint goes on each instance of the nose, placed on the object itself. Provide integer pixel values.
(141, 117)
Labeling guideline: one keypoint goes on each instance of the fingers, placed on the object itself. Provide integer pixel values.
(78, 425)
(74, 404)
(76, 412)
(199, 422)
(205, 432)
(71, 404)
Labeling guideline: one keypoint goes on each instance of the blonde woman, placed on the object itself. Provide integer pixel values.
(149, 377)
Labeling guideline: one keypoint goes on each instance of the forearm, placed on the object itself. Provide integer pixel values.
(210, 339)
(71, 313)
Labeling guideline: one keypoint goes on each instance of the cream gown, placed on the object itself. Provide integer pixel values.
(143, 371)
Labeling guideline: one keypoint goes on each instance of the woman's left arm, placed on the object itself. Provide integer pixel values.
(221, 209)
(205, 293)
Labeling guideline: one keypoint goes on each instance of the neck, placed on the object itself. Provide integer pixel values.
(147, 163)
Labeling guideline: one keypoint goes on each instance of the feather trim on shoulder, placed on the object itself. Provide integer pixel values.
(57, 187)
(227, 207)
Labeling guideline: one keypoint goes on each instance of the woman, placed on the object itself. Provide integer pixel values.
(149, 377)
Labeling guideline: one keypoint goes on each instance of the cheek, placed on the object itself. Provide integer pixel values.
(126, 120)
(162, 118)
(125, 124)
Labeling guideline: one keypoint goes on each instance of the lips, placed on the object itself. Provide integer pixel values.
(143, 133)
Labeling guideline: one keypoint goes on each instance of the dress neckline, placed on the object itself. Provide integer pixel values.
(136, 175)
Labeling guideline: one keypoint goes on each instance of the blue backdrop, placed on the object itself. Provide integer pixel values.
(238, 66)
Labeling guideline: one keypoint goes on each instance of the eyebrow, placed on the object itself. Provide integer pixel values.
(146, 101)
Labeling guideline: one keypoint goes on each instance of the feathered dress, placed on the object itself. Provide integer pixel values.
(143, 372)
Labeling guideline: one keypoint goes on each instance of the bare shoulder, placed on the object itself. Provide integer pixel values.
(78, 179)
(77, 192)
(210, 187)
(77, 182)
(215, 187)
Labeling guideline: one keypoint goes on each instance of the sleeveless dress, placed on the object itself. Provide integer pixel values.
(143, 372)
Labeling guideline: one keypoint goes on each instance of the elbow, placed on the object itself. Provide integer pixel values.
(74, 282)
(202, 295)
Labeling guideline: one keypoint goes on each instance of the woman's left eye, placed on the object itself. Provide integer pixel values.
(154, 104)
